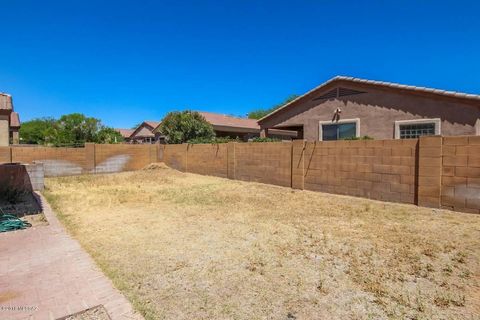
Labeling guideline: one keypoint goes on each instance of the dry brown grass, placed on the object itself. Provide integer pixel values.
(184, 246)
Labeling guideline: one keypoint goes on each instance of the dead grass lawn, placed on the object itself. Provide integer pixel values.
(185, 246)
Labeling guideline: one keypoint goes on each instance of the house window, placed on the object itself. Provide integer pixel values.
(412, 129)
(339, 130)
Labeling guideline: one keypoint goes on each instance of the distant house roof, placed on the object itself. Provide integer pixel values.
(145, 129)
(152, 124)
(14, 120)
(6, 102)
(398, 86)
(142, 132)
(217, 119)
(126, 133)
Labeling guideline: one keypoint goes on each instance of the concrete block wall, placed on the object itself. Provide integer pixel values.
(231, 162)
(434, 171)
(93, 158)
(175, 156)
(208, 159)
(460, 189)
(298, 164)
(431, 171)
(56, 161)
(5, 155)
(36, 174)
(123, 157)
(375, 169)
(264, 162)
(20, 177)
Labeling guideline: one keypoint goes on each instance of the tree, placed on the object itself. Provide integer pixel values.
(108, 135)
(76, 128)
(35, 131)
(180, 127)
(260, 113)
(70, 129)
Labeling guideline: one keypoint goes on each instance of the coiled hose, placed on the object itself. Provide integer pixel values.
(9, 222)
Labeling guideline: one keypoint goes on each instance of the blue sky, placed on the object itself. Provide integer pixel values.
(128, 61)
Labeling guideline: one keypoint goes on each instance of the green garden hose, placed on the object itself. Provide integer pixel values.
(9, 222)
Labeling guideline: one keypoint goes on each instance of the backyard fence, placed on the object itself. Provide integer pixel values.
(438, 172)
(93, 158)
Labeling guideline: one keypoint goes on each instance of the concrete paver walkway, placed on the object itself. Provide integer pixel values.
(45, 274)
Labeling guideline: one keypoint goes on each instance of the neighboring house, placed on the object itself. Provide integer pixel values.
(125, 133)
(345, 107)
(6, 108)
(14, 128)
(241, 128)
(144, 133)
(233, 127)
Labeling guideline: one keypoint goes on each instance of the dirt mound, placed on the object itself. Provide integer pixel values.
(156, 166)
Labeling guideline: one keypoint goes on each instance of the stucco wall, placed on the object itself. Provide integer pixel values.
(378, 109)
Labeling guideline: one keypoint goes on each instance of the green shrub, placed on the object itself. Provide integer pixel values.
(359, 138)
(214, 140)
(184, 126)
(259, 139)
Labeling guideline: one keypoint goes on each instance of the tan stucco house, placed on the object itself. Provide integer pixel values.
(346, 107)
(14, 128)
(144, 133)
(6, 109)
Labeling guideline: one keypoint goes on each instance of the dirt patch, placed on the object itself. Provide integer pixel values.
(156, 166)
(36, 220)
(184, 246)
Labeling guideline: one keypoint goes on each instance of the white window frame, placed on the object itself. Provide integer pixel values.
(436, 121)
(354, 120)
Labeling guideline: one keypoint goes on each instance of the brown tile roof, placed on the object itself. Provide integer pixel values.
(126, 133)
(14, 120)
(452, 94)
(217, 119)
(6, 102)
(152, 124)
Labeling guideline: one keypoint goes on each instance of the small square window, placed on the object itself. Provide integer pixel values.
(413, 131)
